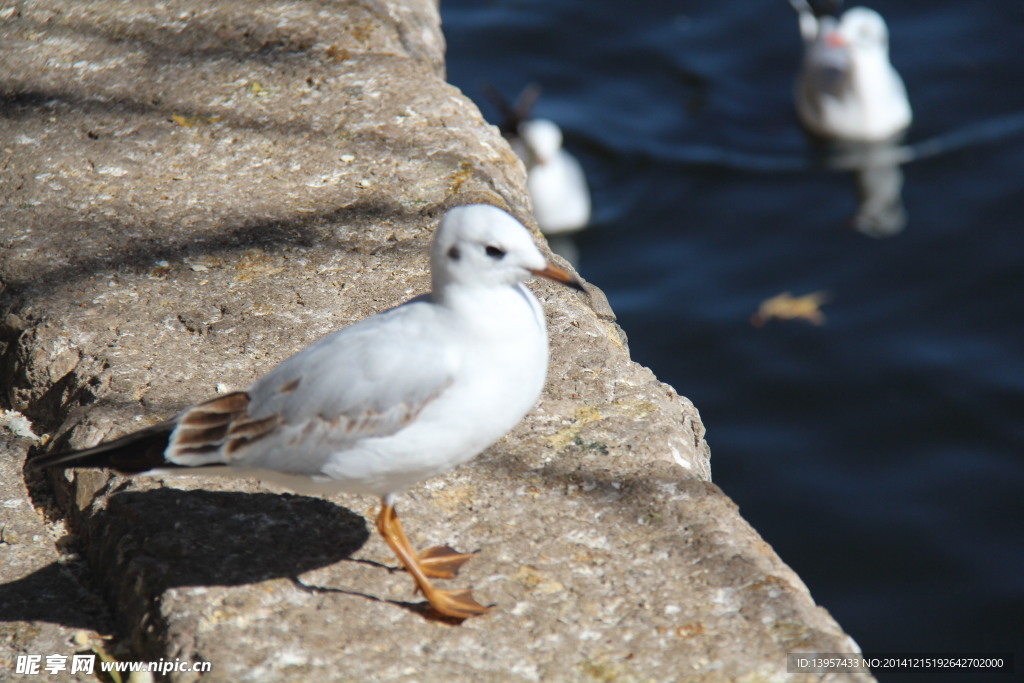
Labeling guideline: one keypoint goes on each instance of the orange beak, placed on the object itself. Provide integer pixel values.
(835, 40)
(555, 273)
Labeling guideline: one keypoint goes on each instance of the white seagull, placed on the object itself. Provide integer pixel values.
(848, 88)
(554, 178)
(403, 395)
(558, 189)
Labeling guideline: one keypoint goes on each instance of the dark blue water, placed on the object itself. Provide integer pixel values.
(882, 453)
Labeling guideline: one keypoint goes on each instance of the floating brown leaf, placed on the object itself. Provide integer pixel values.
(785, 306)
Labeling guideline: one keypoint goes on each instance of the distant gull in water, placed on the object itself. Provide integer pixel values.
(848, 88)
(384, 403)
(555, 180)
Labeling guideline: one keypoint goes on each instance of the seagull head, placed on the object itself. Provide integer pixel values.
(864, 29)
(479, 245)
(543, 139)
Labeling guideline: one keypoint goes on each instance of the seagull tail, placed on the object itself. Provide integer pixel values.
(136, 452)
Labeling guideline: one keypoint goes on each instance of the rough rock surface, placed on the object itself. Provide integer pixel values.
(191, 191)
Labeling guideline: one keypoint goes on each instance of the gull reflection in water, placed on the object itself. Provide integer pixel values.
(878, 179)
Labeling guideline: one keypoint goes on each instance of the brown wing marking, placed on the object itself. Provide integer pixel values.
(369, 422)
(190, 437)
(203, 430)
(245, 432)
(290, 387)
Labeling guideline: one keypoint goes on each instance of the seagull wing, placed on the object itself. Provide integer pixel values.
(369, 380)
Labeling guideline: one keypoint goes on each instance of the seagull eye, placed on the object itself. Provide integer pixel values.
(495, 253)
(454, 254)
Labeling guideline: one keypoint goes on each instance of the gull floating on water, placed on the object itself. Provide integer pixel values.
(403, 395)
(554, 178)
(848, 88)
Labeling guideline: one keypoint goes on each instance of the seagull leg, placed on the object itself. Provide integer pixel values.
(458, 604)
(439, 562)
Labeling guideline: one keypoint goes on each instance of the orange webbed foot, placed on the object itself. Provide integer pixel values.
(442, 561)
(436, 562)
(457, 604)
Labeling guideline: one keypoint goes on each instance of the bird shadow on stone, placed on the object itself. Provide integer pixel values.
(53, 594)
(144, 543)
